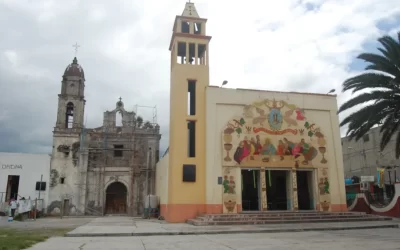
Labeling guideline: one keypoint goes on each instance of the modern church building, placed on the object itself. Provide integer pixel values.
(235, 150)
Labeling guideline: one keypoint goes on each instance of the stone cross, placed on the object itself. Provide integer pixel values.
(76, 48)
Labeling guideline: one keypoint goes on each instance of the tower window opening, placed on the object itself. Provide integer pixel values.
(191, 97)
(69, 115)
(197, 28)
(118, 150)
(192, 53)
(118, 119)
(185, 27)
(202, 54)
(181, 53)
(191, 138)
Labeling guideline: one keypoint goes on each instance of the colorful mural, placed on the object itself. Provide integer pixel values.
(323, 189)
(273, 133)
(229, 196)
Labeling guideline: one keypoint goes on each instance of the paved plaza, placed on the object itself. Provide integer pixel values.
(128, 226)
(352, 240)
(116, 233)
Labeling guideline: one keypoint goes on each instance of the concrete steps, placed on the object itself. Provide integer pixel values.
(282, 218)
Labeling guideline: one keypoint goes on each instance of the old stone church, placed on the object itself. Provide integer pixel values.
(103, 170)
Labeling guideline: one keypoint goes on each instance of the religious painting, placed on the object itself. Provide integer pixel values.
(273, 133)
(229, 195)
(323, 189)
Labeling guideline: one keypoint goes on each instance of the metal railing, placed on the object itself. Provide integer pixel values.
(378, 199)
(3, 196)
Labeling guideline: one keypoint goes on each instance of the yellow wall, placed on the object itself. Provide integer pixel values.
(225, 104)
(186, 199)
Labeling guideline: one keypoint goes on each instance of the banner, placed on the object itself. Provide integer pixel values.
(380, 173)
(24, 206)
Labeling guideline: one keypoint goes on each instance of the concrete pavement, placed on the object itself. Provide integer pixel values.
(371, 239)
(128, 226)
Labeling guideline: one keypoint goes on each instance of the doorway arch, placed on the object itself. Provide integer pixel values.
(116, 198)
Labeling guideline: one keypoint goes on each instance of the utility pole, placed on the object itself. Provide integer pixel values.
(40, 184)
(36, 200)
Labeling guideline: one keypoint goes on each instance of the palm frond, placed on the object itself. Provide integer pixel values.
(366, 97)
(391, 49)
(387, 135)
(379, 63)
(361, 121)
(368, 80)
(385, 95)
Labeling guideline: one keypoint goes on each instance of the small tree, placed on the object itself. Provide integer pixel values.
(139, 121)
(147, 125)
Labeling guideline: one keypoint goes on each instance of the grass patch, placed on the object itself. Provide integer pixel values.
(17, 239)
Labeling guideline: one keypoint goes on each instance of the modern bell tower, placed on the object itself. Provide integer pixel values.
(189, 79)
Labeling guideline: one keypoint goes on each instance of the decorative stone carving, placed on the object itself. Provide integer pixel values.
(114, 178)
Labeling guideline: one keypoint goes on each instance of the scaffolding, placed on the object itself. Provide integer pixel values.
(98, 162)
(153, 109)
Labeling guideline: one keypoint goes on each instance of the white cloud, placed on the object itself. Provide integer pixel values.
(293, 45)
(12, 57)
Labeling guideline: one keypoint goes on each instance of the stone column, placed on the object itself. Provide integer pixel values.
(294, 186)
(264, 206)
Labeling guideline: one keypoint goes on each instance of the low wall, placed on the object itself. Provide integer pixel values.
(361, 204)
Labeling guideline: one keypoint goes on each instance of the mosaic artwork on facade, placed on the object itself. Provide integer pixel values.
(294, 187)
(264, 204)
(323, 189)
(273, 133)
(229, 196)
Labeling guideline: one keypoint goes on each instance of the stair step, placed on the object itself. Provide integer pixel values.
(281, 218)
(301, 214)
(235, 222)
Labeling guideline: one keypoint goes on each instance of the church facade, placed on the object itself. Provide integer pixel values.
(244, 150)
(103, 170)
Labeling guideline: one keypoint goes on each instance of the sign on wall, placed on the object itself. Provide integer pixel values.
(367, 179)
(11, 166)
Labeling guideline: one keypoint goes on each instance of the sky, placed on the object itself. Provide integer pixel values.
(285, 45)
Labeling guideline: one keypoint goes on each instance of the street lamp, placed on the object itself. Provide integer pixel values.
(225, 82)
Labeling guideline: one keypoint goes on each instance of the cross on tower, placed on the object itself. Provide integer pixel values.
(120, 99)
(76, 47)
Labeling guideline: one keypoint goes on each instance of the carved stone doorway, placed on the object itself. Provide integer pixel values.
(116, 198)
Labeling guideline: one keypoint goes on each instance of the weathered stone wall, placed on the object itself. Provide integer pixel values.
(63, 175)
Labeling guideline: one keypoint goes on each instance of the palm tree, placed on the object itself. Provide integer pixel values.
(382, 80)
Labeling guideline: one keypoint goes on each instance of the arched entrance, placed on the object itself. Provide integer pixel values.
(116, 196)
